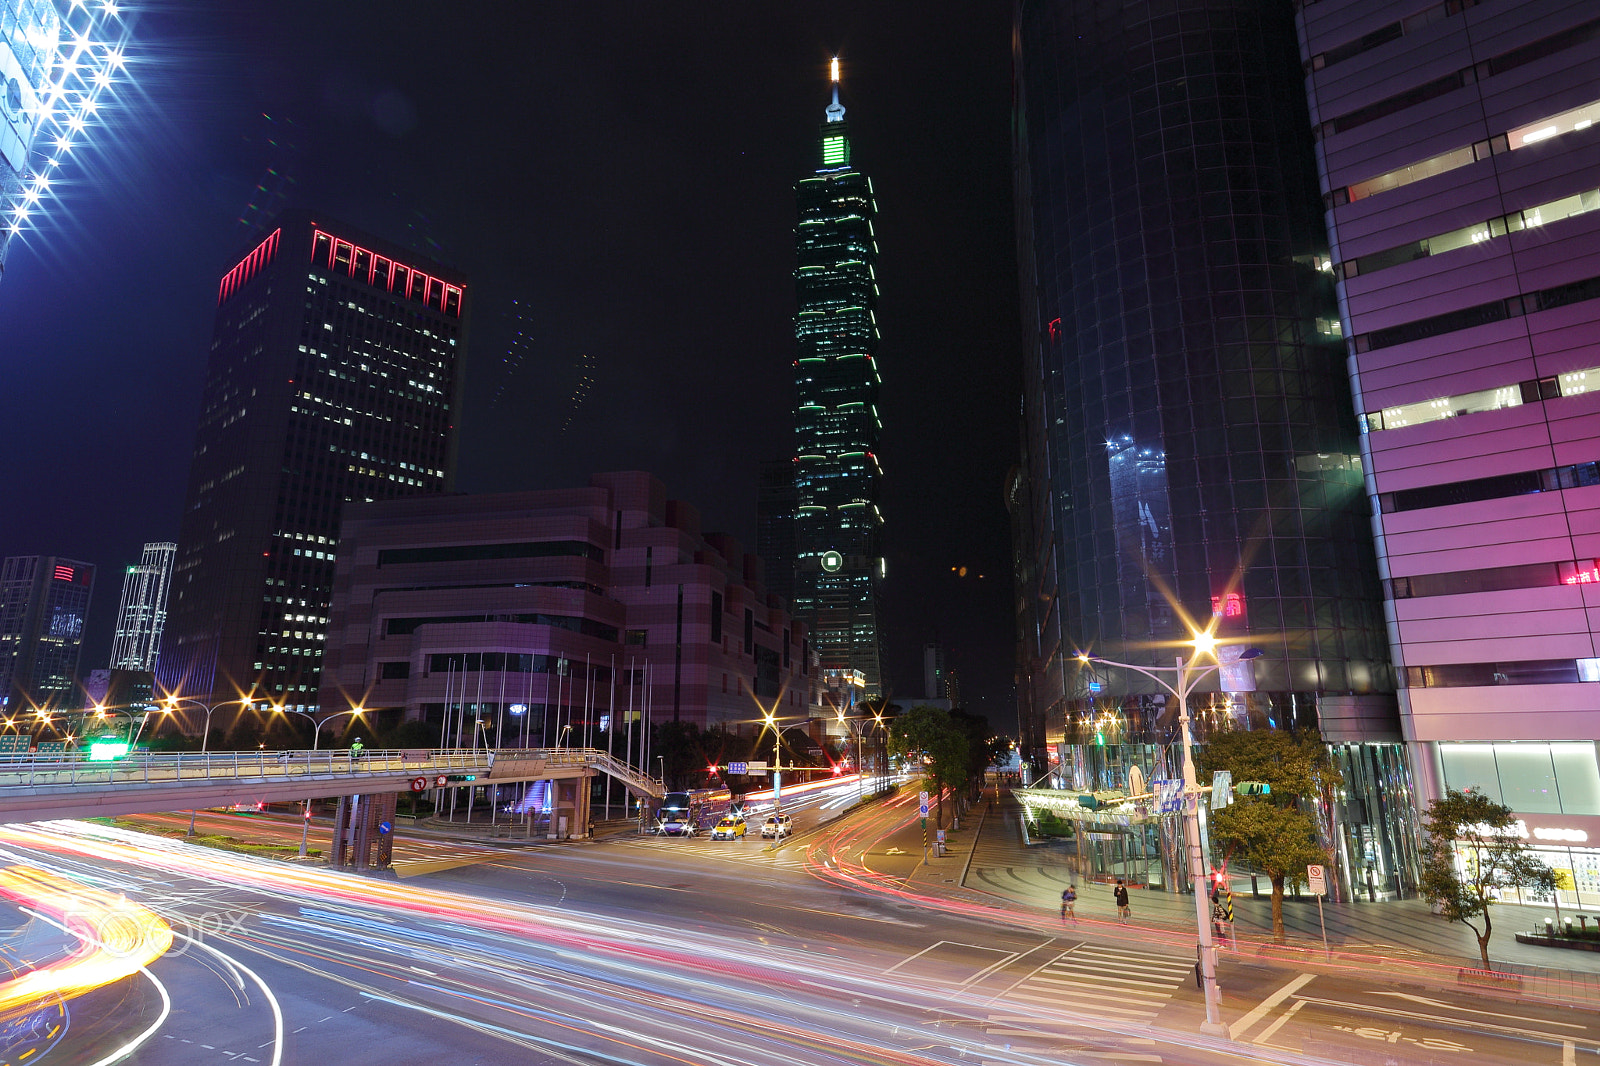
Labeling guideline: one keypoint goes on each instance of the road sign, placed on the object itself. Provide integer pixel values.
(738, 768)
(1169, 795)
(754, 767)
(385, 827)
(1221, 789)
(419, 784)
(922, 803)
(1317, 877)
(438, 782)
(940, 834)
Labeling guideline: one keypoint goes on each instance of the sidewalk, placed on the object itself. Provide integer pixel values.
(989, 864)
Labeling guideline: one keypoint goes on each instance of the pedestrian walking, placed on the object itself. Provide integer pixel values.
(1120, 894)
(1069, 903)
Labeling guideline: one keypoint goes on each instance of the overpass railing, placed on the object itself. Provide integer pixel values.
(593, 758)
(76, 768)
(23, 770)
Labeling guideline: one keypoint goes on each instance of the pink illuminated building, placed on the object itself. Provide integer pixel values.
(1460, 166)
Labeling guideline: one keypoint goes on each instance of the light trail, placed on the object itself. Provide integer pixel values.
(116, 938)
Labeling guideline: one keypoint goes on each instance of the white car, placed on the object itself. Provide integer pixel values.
(777, 827)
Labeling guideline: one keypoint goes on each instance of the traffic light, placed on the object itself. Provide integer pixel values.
(1252, 788)
(462, 777)
(1099, 739)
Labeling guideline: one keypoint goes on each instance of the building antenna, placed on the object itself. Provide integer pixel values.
(835, 110)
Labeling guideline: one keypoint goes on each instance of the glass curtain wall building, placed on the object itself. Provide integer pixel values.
(1192, 455)
(839, 566)
(334, 376)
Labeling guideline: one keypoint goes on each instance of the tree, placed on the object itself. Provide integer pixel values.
(1275, 833)
(931, 733)
(1492, 857)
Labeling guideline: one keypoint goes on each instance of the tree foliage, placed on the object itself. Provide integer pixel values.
(931, 735)
(1495, 858)
(1275, 833)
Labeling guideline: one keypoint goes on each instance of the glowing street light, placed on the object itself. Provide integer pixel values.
(173, 702)
(1186, 675)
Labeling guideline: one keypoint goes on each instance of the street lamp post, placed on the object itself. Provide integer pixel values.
(1186, 676)
(316, 739)
(857, 726)
(173, 702)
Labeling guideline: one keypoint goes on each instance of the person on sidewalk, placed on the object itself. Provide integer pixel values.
(1069, 904)
(1120, 894)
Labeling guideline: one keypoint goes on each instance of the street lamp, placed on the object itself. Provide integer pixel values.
(173, 703)
(316, 739)
(769, 720)
(561, 736)
(1186, 676)
(857, 726)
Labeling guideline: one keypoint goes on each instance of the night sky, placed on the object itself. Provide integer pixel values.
(617, 181)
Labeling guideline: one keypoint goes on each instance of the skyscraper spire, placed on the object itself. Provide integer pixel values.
(835, 110)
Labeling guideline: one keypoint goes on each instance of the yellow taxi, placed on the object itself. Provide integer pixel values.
(730, 828)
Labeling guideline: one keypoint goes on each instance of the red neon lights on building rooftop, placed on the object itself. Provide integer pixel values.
(65, 573)
(249, 266)
(341, 255)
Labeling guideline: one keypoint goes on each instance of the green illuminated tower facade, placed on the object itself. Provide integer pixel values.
(839, 566)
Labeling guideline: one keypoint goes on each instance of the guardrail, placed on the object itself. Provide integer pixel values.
(21, 771)
(75, 768)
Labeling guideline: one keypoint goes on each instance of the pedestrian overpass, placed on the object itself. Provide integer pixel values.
(34, 787)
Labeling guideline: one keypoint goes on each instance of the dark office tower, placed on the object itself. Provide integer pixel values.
(334, 376)
(838, 527)
(1192, 448)
(43, 602)
(775, 505)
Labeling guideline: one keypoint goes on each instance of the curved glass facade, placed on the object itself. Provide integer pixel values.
(1191, 442)
(1204, 453)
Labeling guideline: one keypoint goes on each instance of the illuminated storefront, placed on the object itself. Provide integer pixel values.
(1554, 789)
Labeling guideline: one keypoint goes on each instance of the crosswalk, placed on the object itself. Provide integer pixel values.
(1119, 985)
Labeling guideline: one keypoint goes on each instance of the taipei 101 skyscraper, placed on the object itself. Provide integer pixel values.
(839, 567)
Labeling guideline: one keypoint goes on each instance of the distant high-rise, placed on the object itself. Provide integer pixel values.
(334, 376)
(934, 675)
(43, 602)
(775, 504)
(839, 566)
(142, 614)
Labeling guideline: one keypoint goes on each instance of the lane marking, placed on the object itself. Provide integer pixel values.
(1271, 1030)
(1470, 1010)
(1266, 1005)
(1446, 1020)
